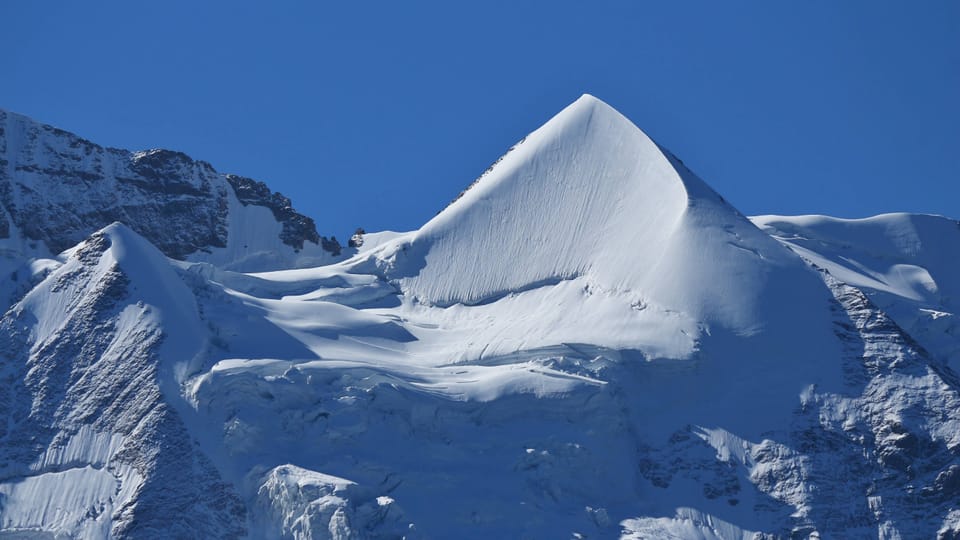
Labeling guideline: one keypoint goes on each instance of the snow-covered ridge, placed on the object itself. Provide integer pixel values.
(589, 343)
(57, 188)
(906, 263)
(89, 446)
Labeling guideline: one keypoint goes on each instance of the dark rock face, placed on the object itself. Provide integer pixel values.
(879, 439)
(331, 245)
(297, 228)
(59, 188)
(357, 239)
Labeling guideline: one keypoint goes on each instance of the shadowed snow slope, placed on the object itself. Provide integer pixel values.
(907, 263)
(90, 447)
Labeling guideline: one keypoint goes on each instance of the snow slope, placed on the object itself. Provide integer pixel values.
(90, 447)
(589, 343)
(589, 195)
(906, 263)
(588, 202)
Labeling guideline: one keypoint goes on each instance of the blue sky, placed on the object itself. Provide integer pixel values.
(376, 114)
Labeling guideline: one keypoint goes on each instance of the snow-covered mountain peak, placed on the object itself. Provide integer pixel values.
(590, 135)
(115, 252)
(589, 198)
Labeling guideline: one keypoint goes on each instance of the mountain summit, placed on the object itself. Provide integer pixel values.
(564, 202)
(589, 342)
(589, 197)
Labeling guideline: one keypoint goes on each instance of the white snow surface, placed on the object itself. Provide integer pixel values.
(589, 343)
(586, 249)
(907, 263)
(590, 196)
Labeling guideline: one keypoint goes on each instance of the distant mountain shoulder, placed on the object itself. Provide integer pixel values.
(57, 188)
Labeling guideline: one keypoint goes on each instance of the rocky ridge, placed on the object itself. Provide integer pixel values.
(57, 188)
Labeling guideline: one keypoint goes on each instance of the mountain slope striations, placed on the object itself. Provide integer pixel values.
(90, 447)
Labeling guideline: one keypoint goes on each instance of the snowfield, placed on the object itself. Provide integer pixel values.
(589, 343)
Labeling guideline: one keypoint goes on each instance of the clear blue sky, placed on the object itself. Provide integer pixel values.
(376, 114)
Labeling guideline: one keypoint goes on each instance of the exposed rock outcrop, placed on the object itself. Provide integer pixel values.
(58, 188)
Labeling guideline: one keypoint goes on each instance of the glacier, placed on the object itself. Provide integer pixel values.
(589, 342)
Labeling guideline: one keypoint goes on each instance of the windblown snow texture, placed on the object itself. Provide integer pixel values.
(588, 343)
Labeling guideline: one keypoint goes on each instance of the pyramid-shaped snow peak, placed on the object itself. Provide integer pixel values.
(589, 196)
